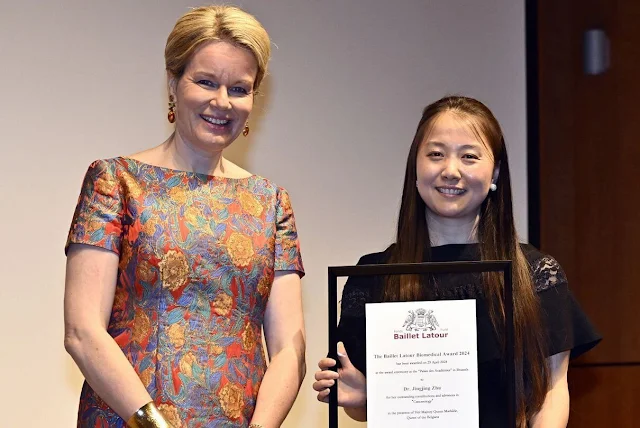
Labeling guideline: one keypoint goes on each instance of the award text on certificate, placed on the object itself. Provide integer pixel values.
(422, 364)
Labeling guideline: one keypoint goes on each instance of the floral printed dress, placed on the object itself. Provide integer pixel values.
(197, 259)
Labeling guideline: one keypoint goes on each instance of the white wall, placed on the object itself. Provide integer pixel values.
(81, 80)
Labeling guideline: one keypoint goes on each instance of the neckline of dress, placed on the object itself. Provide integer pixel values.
(179, 171)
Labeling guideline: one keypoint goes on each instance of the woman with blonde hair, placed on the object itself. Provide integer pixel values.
(177, 258)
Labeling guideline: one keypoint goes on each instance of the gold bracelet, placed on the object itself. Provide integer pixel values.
(147, 416)
(255, 426)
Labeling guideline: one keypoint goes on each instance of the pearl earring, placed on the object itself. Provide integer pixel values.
(493, 187)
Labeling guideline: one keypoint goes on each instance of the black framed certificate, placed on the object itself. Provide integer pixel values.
(422, 356)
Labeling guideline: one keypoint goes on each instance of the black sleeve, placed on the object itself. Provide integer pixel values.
(568, 327)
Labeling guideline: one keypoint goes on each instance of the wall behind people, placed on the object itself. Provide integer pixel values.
(348, 79)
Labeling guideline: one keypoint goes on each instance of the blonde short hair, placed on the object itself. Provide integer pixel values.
(210, 23)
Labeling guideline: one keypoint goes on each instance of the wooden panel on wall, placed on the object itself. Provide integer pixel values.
(604, 397)
(589, 208)
(606, 160)
(589, 165)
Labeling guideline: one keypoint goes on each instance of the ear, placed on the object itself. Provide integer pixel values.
(496, 173)
(172, 84)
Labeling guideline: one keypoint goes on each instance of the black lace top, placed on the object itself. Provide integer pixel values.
(568, 328)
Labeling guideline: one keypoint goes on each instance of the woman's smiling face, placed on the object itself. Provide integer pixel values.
(214, 96)
(454, 169)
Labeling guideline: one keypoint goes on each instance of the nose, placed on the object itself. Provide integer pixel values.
(221, 99)
(451, 170)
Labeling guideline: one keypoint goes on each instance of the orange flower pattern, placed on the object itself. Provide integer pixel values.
(171, 414)
(175, 332)
(250, 204)
(174, 269)
(248, 337)
(264, 286)
(197, 257)
(232, 401)
(240, 249)
(222, 304)
(141, 325)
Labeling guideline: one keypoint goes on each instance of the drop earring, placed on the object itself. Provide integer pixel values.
(246, 129)
(171, 117)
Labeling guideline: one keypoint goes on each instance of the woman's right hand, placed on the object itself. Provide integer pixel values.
(352, 384)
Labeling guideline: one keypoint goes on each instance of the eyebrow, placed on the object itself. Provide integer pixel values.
(213, 76)
(464, 146)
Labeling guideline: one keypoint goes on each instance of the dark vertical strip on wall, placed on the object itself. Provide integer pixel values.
(533, 120)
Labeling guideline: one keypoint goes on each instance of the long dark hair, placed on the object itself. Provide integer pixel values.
(498, 240)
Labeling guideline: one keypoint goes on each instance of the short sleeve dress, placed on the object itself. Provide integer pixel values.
(567, 327)
(198, 255)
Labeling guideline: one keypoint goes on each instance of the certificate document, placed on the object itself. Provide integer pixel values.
(422, 366)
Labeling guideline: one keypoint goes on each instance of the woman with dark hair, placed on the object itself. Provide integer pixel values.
(457, 206)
